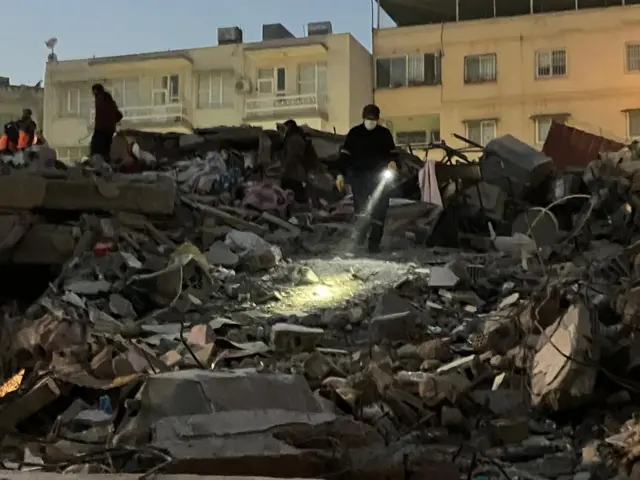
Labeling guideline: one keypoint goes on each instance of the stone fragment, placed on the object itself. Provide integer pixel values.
(562, 375)
(294, 338)
(201, 335)
(435, 349)
(219, 254)
(509, 430)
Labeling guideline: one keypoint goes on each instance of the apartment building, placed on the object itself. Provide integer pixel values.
(446, 69)
(322, 79)
(15, 98)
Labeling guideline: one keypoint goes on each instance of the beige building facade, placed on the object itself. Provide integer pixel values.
(484, 77)
(322, 80)
(15, 98)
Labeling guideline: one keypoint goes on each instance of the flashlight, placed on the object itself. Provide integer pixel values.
(388, 174)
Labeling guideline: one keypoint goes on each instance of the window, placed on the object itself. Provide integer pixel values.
(408, 70)
(481, 131)
(551, 63)
(312, 78)
(216, 89)
(272, 80)
(416, 138)
(125, 91)
(633, 124)
(166, 89)
(633, 57)
(543, 124)
(480, 68)
(75, 100)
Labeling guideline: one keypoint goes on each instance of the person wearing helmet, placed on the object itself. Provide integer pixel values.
(367, 151)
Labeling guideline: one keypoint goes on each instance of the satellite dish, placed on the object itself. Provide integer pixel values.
(51, 43)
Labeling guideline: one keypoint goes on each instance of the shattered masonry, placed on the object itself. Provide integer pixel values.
(191, 319)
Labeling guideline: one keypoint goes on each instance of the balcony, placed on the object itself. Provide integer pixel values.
(173, 115)
(284, 106)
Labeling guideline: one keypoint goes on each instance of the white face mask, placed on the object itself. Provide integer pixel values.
(370, 124)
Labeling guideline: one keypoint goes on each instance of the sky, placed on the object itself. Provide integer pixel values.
(87, 28)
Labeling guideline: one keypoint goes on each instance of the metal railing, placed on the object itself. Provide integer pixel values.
(151, 114)
(284, 103)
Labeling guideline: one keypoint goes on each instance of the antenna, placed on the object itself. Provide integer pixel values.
(51, 44)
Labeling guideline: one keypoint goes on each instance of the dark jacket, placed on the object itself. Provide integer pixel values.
(299, 157)
(366, 150)
(28, 126)
(107, 113)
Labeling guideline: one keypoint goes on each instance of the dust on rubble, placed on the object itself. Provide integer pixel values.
(191, 319)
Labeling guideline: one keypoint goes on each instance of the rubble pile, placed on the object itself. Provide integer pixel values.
(183, 327)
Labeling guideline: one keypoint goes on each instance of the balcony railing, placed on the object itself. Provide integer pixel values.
(264, 106)
(152, 114)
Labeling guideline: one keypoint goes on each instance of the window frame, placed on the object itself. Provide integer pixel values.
(481, 123)
(318, 87)
(551, 52)
(480, 57)
(273, 80)
(557, 118)
(635, 111)
(428, 136)
(627, 47)
(210, 77)
(434, 57)
(170, 98)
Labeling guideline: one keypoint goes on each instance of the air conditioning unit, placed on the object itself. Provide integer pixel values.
(243, 85)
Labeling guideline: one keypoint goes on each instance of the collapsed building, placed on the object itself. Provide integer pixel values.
(185, 319)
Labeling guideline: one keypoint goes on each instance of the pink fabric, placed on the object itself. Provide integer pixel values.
(268, 198)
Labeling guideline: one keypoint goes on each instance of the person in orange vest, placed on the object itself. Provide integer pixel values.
(19, 134)
(26, 129)
(9, 139)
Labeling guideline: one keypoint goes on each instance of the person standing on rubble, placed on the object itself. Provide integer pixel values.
(107, 116)
(367, 151)
(299, 159)
(27, 129)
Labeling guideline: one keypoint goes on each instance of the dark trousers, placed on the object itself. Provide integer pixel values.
(298, 189)
(371, 202)
(101, 143)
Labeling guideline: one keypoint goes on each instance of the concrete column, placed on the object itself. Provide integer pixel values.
(458, 10)
(531, 6)
(494, 9)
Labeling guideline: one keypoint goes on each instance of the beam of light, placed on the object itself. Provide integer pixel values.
(322, 291)
(386, 177)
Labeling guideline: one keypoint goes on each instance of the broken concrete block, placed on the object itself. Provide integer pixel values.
(295, 338)
(41, 395)
(557, 381)
(220, 254)
(509, 430)
(201, 335)
(435, 349)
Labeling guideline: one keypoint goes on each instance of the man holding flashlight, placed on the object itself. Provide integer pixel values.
(367, 161)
